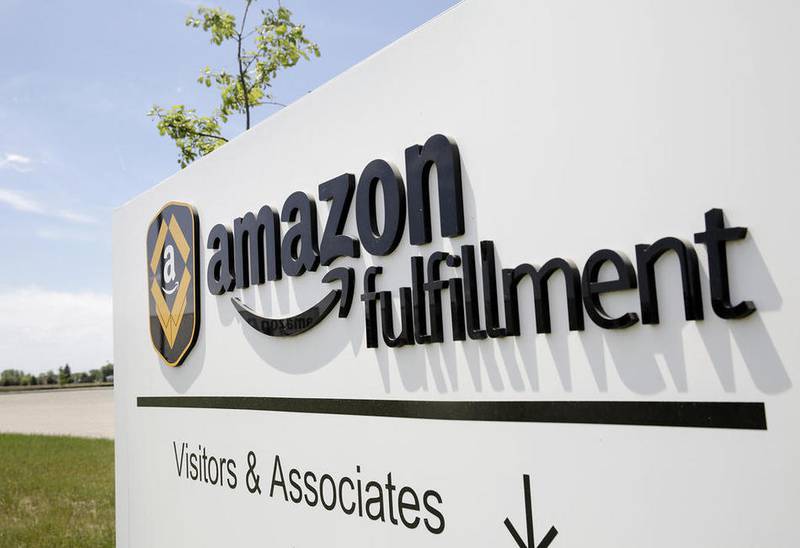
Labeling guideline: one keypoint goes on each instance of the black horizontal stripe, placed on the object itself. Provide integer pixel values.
(692, 414)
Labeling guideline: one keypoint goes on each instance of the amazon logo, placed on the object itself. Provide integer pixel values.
(254, 251)
(173, 284)
(269, 242)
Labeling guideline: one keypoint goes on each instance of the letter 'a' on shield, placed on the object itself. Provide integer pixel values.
(173, 284)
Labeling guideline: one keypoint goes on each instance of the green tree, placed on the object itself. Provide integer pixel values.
(274, 43)
(64, 375)
(10, 377)
(107, 371)
(49, 378)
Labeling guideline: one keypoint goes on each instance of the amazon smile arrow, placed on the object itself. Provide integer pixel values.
(302, 322)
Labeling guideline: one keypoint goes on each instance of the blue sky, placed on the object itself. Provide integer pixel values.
(76, 79)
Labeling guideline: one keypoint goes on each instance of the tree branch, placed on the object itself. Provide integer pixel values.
(198, 133)
(244, 17)
(249, 61)
(249, 34)
(201, 134)
(242, 80)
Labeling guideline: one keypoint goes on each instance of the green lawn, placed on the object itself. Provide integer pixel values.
(56, 491)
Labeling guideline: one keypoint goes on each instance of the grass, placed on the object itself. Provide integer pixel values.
(56, 491)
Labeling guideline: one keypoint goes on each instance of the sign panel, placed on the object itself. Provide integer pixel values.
(524, 278)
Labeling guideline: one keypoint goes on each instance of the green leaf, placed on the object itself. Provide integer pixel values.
(259, 53)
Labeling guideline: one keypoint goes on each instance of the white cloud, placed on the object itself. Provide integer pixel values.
(76, 217)
(60, 235)
(17, 162)
(26, 204)
(20, 202)
(45, 329)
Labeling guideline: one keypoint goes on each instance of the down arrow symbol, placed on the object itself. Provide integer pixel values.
(548, 538)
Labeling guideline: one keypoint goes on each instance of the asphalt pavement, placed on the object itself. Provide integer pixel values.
(87, 412)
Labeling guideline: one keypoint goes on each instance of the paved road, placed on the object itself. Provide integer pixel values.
(80, 412)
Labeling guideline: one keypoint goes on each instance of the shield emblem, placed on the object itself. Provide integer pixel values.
(172, 281)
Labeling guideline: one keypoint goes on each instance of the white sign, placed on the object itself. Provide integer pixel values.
(524, 278)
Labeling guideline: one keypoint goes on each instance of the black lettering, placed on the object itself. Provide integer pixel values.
(370, 298)
(457, 318)
(294, 473)
(213, 466)
(646, 257)
(490, 300)
(300, 251)
(438, 529)
(220, 276)
(442, 152)
(421, 335)
(715, 239)
(256, 243)
(358, 490)
(352, 507)
(405, 506)
(232, 474)
(194, 474)
(339, 192)
(332, 504)
(376, 500)
(217, 467)
(433, 287)
(541, 295)
(471, 293)
(311, 488)
(375, 241)
(178, 461)
(390, 487)
(592, 288)
(277, 472)
(221, 471)
(406, 335)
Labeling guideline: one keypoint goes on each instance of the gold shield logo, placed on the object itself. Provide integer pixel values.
(173, 286)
